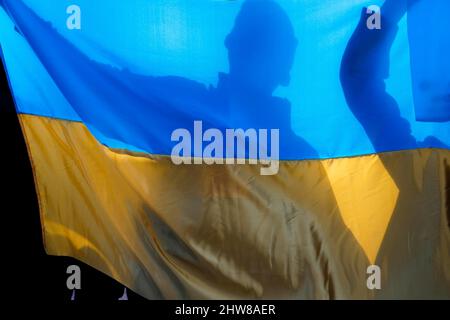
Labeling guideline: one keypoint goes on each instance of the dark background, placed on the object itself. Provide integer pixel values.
(31, 272)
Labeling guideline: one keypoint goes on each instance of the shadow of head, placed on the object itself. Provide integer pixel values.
(261, 47)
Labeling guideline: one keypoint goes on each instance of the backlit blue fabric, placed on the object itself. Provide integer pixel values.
(137, 70)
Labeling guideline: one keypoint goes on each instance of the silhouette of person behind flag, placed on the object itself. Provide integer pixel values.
(143, 110)
(364, 69)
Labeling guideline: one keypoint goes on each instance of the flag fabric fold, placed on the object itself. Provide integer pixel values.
(361, 182)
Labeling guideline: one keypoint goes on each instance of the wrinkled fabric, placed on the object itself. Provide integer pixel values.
(225, 232)
(365, 165)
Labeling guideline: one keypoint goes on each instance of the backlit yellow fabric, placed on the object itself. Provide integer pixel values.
(225, 231)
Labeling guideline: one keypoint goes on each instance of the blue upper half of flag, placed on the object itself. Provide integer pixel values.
(134, 71)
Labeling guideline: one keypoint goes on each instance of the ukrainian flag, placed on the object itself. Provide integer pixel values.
(362, 108)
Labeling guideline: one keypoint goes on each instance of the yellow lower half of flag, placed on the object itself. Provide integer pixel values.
(226, 232)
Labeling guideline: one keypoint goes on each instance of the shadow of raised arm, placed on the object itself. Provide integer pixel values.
(364, 68)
